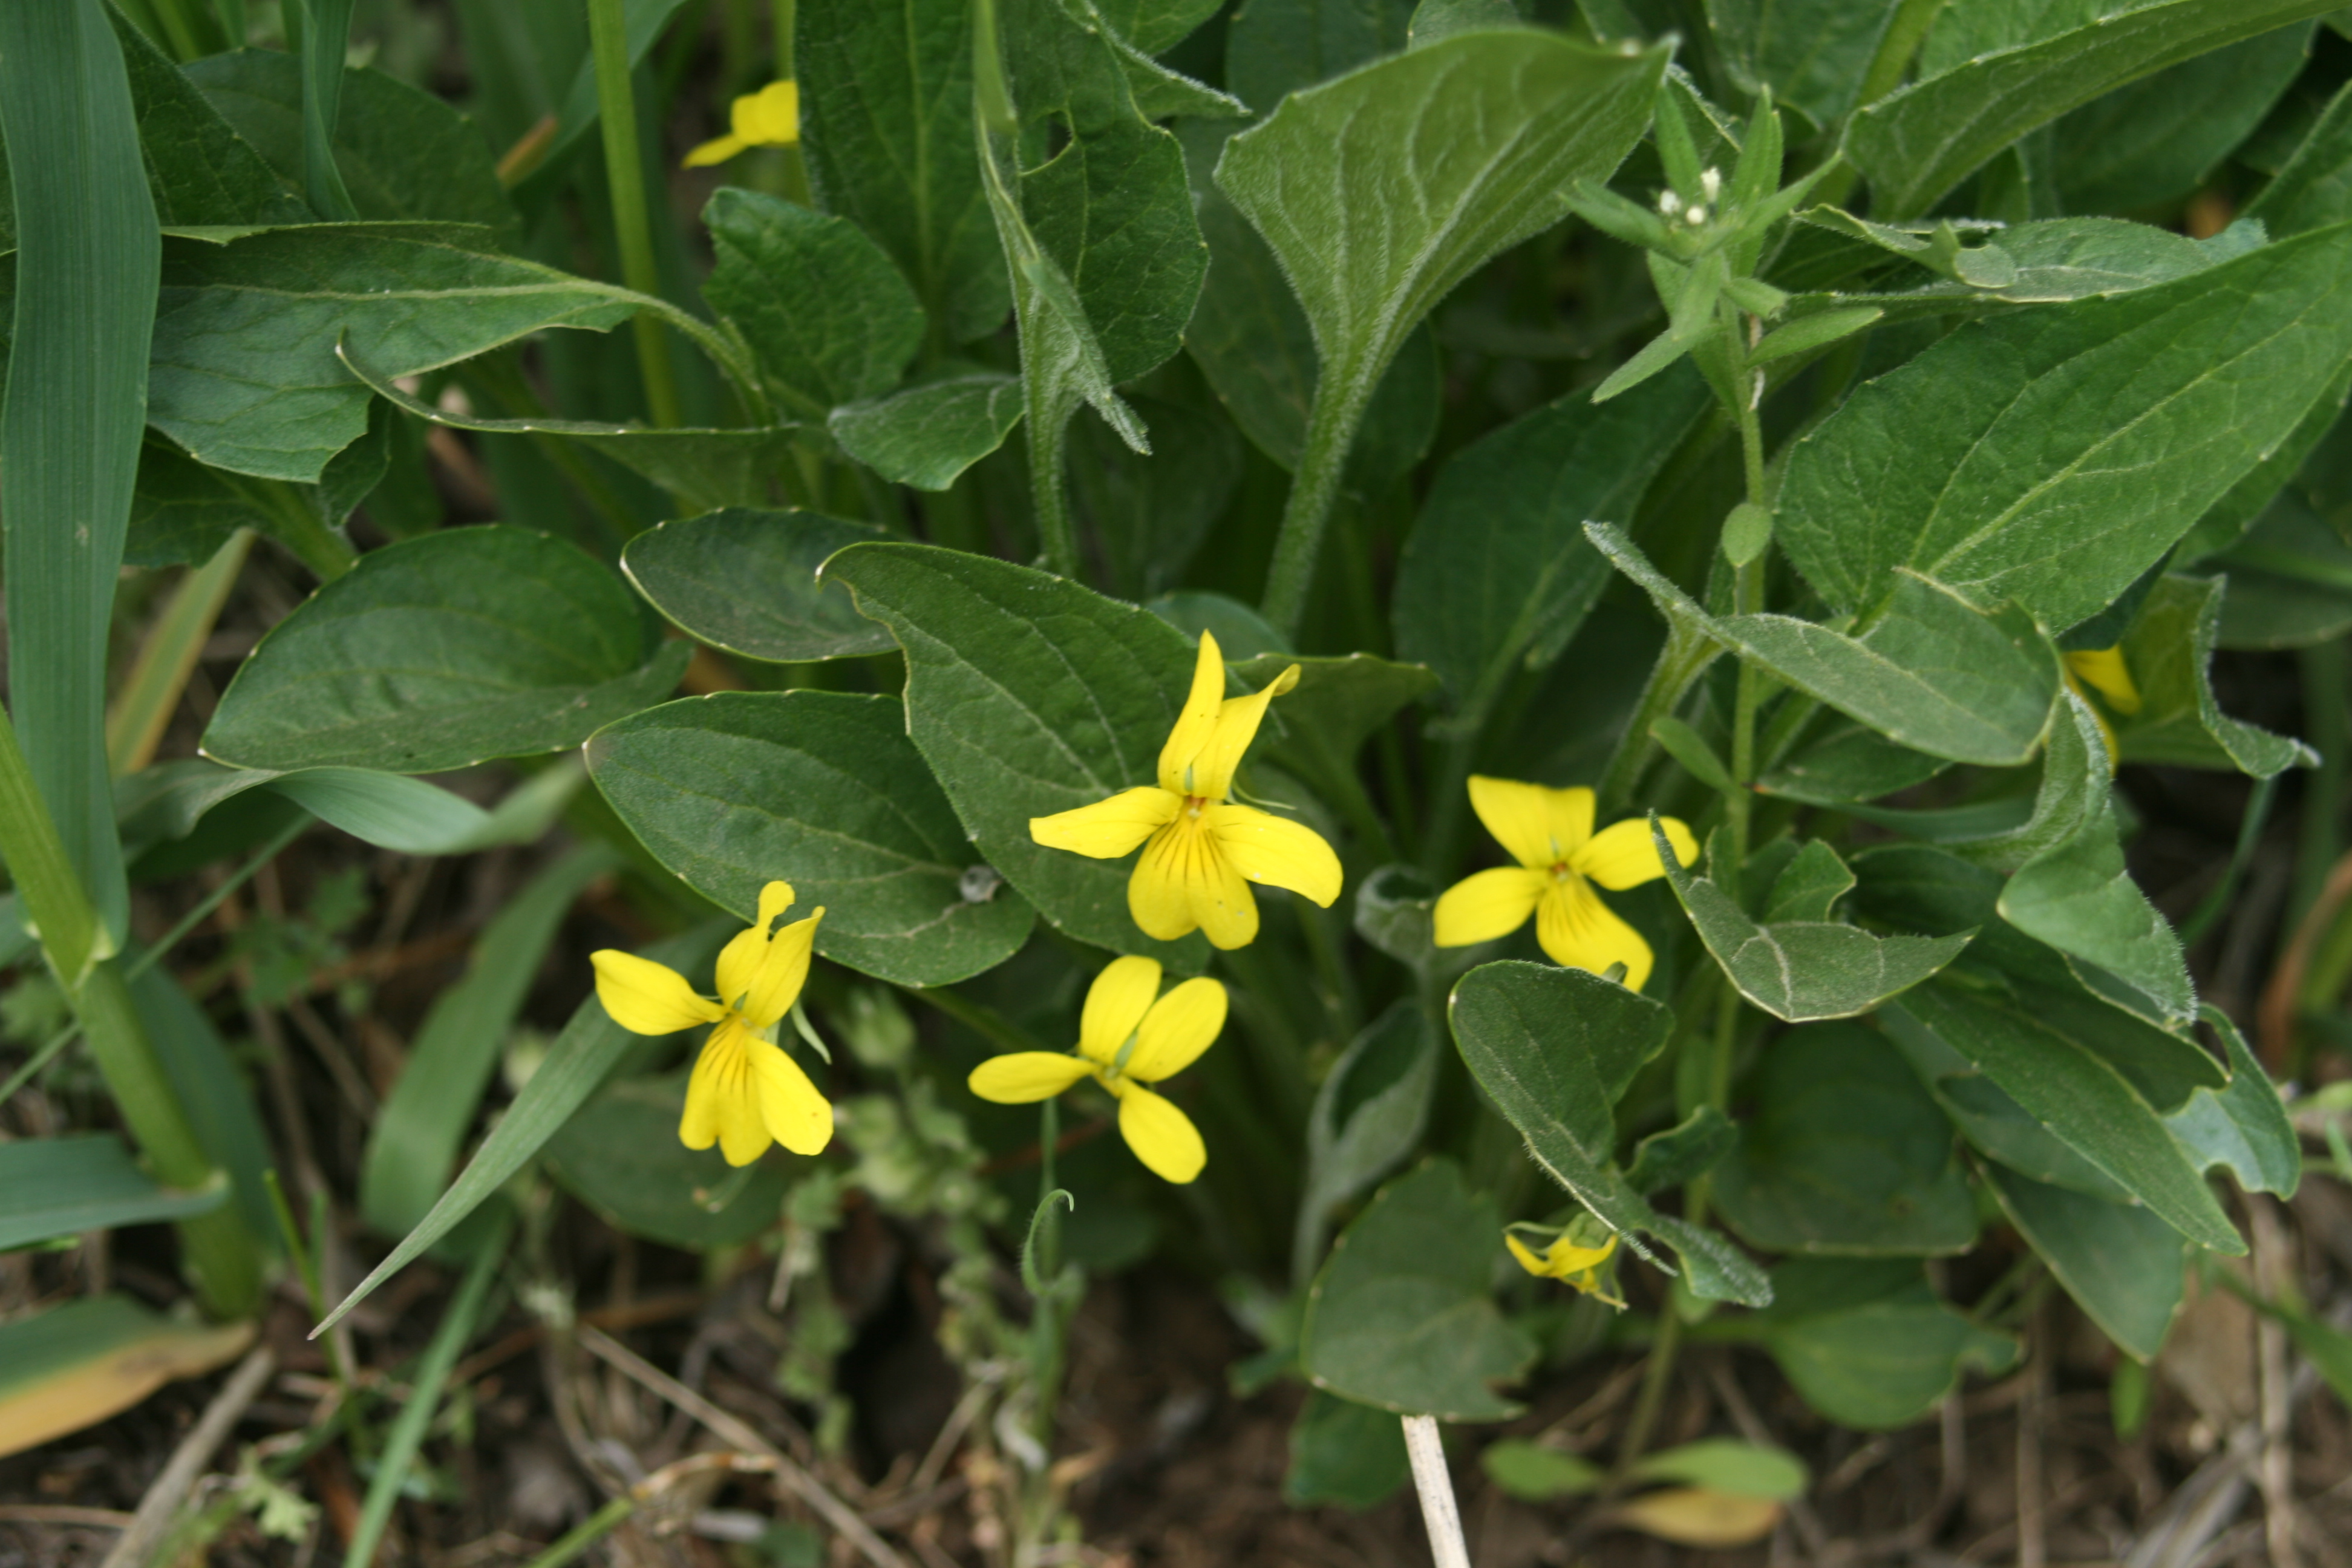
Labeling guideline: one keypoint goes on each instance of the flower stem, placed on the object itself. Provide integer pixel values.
(1341, 394)
(1439, 1513)
(1049, 483)
(616, 106)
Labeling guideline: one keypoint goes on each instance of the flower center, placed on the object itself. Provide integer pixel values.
(1193, 804)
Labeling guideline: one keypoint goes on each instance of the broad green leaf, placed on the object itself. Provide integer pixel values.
(1850, 763)
(2049, 458)
(1554, 1049)
(1151, 513)
(1403, 1315)
(620, 1155)
(1381, 191)
(438, 652)
(1155, 26)
(1919, 142)
(1369, 1111)
(1496, 571)
(1933, 673)
(1809, 887)
(1274, 47)
(1532, 1473)
(1868, 1343)
(2315, 189)
(2075, 1092)
(1805, 970)
(702, 468)
(822, 790)
(1845, 1152)
(1242, 633)
(927, 432)
(81, 1182)
(83, 308)
(412, 1147)
(1682, 1153)
(2123, 1265)
(1029, 695)
(2243, 1128)
(2078, 897)
(1998, 1128)
(1345, 1453)
(2227, 521)
(1813, 54)
(1728, 1466)
(2162, 137)
(827, 315)
(2168, 652)
(245, 375)
(1436, 19)
(745, 580)
(576, 1067)
(74, 1365)
(887, 127)
(199, 168)
(183, 512)
(403, 154)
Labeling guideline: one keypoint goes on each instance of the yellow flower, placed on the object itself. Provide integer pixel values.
(746, 1092)
(1549, 833)
(1203, 851)
(1126, 1040)
(768, 118)
(1567, 1260)
(2103, 671)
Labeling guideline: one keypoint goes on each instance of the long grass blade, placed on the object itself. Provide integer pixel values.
(326, 36)
(135, 725)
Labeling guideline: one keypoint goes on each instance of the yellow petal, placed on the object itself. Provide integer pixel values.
(1109, 828)
(1538, 826)
(783, 970)
(2104, 669)
(1180, 1027)
(1237, 723)
(1274, 850)
(698, 1127)
(1162, 1137)
(1528, 1256)
(770, 117)
(1221, 900)
(648, 998)
(791, 1109)
(1156, 894)
(1488, 905)
(1198, 719)
(1623, 855)
(1020, 1077)
(1580, 932)
(718, 150)
(1116, 1004)
(738, 961)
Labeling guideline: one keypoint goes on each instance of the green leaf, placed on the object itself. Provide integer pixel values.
(2049, 458)
(245, 375)
(1809, 887)
(1846, 1152)
(2169, 651)
(1274, 47)
(1028, 695)
(1812, 52)
(412, 1147)
(887, 128)
(1369, 1111)
(1728, 1466)
(1423, 167)
(403, 153)
(1403, 1315)
(214, 1093)
(575, 106)
(2243, 1128)
(388, 810)
(1919, 142)
(822, 790)
(2162, 137)
(576, 1067)
(1344, 1453)
(2290, 580)
(1682, 1153)
(928, 432)
(1394, 913)
(1336, 707)
(745, 580)
(1868, 1343)
(1155, 26)
(620, 1155)
(2315, 189)
(63, 1187)
(183, 512)
(74, 1365)
(1933, 673)
(199, 169)
(1850, 763)
(1151, 513)
(84, 306)
(438, 652)
(1533, 1473)
(1435, 19)
(2123, 1265)
(827, 315)
(2052, 262)
(1554, 1049)
(1497, 570)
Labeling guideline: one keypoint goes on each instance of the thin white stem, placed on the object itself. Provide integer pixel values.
(1435, 1485)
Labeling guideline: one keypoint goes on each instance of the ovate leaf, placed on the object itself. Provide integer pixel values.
(2244, 1127)
(745, 580)
(1868, 1343)
(1345, 1453)
(1370, 1112)
(620, 1154)
(199, 169)
(2162, 137)
(927, 432)
(2122, 1265)
(822, 790)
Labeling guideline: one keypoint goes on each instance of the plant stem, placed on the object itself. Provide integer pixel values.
(45, 881)
(616, 106)
(300, 529)
(1654, 1376)
(1685, 658)
(2324, 716)
(1439, 1513)
(1340, 392)
(586, 1533)
(1049, 484)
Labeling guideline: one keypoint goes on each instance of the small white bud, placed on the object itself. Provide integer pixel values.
(1669, 203)
(1696, 215)
(1710, 183)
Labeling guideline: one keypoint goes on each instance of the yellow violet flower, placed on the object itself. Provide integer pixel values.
(1549, 833)
(768, 118)
(1126, 1040)
(745, 1092)
(1202, 852)
(1568, 1260)
(2103, 671)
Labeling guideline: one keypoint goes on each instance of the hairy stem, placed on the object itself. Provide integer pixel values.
(1341, 394)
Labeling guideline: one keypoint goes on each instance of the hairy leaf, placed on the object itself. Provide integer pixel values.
(745, 580)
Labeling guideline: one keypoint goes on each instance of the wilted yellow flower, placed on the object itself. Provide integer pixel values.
(2103, 671)
(1549, 833)
(768, 118)
(1568, 1260)
(1126, 1040)
(1203, 852)
(745, 1092)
